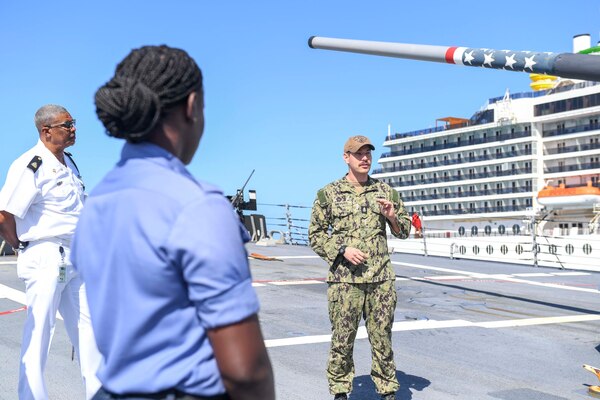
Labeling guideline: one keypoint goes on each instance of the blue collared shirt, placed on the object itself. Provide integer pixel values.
(164, 261)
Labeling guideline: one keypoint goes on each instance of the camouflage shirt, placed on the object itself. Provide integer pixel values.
(356, 221)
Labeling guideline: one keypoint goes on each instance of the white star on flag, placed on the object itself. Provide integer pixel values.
(469, 57)
(529, 63)
(510, 61)
(489, 59)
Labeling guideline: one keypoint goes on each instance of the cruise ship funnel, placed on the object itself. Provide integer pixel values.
(565, 65)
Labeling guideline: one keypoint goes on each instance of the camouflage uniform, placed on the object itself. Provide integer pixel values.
(364, 290)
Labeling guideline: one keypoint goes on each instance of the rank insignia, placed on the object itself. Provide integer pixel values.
(35, 163)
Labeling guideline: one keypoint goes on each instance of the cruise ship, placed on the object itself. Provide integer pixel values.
(525, 164)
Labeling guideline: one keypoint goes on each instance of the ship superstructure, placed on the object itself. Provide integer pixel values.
(484, 174)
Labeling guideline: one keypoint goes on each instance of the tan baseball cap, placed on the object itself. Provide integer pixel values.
(356, 142)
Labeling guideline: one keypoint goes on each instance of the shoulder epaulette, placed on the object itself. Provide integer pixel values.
(395, 196)
(35, 163)
(322, 198)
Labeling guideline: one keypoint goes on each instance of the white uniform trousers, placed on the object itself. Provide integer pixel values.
(38, 267)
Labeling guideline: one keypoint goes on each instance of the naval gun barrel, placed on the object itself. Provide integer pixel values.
(565, 65)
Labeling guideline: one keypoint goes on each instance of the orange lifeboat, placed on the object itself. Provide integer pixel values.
(572, 197)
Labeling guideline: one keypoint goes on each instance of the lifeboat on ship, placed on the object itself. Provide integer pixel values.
(569, 197)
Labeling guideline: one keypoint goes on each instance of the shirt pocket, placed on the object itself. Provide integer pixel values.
(341, 215)
(374, 219)
(59, 189)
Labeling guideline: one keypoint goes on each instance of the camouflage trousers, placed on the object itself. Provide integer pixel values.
(376, 303)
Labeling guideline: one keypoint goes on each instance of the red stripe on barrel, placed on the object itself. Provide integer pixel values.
(450, 55)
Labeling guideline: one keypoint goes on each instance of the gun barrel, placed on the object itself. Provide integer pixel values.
(566, 65)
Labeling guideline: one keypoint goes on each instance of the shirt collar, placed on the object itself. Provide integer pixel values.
(155, 154)
(348, 186)
(48, 157)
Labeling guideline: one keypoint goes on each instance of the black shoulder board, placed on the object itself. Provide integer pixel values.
(35, 163)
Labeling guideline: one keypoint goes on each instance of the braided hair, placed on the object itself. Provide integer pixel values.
(148, 82)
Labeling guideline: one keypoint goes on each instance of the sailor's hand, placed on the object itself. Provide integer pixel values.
(355, 256)
(387, 209)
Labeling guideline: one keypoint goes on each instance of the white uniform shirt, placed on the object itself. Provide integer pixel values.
(46, 203)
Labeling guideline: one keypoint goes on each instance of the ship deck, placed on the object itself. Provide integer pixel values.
(464, 329)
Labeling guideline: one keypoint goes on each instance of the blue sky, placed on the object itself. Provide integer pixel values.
(272, 103)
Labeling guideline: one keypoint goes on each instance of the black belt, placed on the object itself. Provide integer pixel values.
(163, 395)
(23, 245)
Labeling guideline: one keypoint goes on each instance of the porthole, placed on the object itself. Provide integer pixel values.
(587, 248)
(519, 249)
(461, 231)
(475, 249)
(569, 249)
(516, 229)
(487, 230)
(501, 229)
(552, 249)
(489, 249)
(462, 250)
(473, 231)
(504, 249)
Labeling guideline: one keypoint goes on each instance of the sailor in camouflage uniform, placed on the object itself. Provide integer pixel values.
(361, 279)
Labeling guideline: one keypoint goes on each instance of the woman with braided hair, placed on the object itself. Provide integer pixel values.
(170, 291)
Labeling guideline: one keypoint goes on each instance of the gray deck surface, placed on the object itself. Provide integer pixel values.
(464, 330)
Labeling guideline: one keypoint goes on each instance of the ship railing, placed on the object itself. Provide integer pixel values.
(572, 251)
(466, 160)
(540, 93)
(464, 177)
(571, 149)
(294, 229)
(467, 193)
(566, 131)
(459, 143)
(572, 167)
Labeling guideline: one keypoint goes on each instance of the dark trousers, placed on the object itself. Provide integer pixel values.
(171, 394)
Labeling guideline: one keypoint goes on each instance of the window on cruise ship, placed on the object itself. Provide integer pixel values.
(516, 229)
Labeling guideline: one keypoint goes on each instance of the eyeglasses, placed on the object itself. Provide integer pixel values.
(67, 125)
(361, 154)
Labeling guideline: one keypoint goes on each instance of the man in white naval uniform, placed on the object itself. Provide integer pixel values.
(39, 206)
